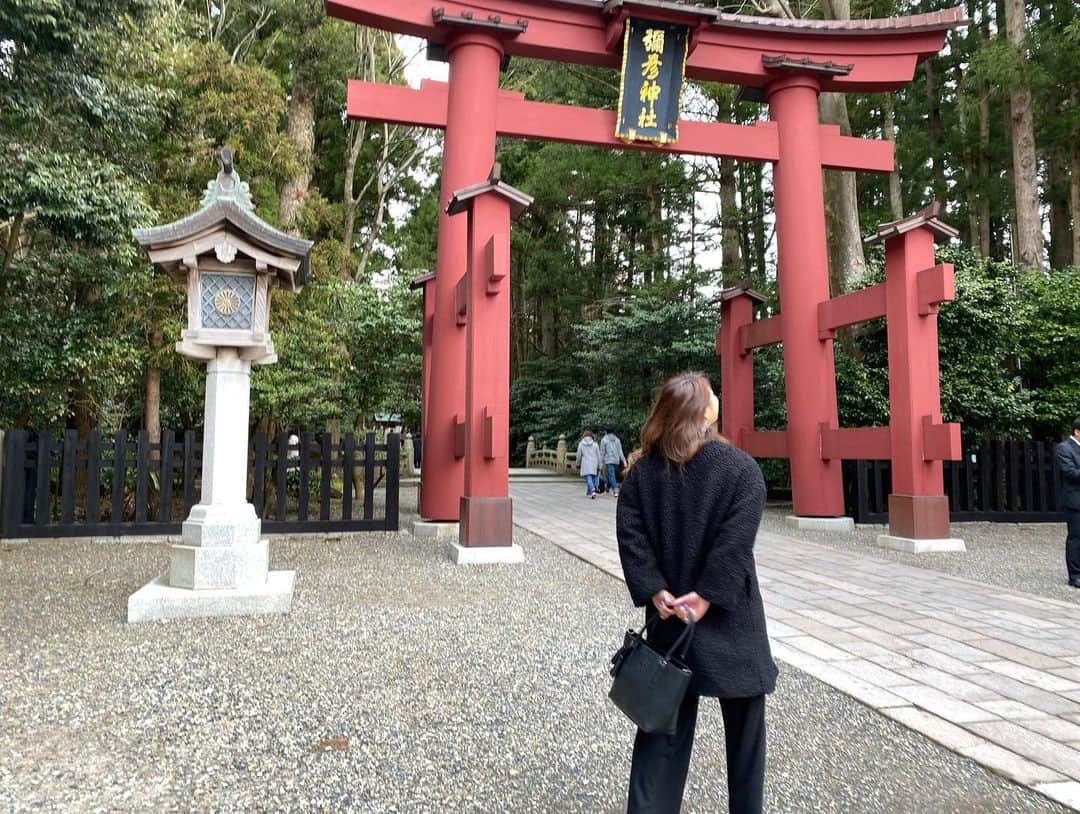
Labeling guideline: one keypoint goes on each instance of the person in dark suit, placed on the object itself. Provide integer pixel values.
(1068, 458)
(687, 517)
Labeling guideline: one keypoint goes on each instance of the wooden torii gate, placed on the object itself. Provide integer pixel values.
(786, 63)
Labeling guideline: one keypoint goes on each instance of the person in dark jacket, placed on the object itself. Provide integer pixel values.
(687, 518)
(1068, 458)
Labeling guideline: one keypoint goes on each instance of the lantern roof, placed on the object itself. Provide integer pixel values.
(227, 206)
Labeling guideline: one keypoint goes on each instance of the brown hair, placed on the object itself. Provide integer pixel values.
(674, 428)
(588, 434)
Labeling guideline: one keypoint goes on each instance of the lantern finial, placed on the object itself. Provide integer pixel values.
(227, 186)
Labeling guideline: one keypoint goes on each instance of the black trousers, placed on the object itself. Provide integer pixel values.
(658, 771)
(1072, 544)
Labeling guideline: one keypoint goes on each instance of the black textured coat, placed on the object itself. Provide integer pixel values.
(694, 531)
(1068, 456)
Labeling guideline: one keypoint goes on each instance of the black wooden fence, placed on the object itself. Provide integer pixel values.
(117, 485)
(1003, 481)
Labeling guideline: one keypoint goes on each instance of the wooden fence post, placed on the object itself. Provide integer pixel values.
(392, 442)
(407, 450)
(3, 493)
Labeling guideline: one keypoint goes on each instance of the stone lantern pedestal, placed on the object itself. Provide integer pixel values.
(229, 260)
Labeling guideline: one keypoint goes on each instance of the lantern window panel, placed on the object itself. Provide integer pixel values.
(228, 301)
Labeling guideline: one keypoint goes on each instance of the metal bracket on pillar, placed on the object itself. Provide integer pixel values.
(935, 286)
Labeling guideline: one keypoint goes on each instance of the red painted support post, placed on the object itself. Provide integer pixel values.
(914, 286)
(803, 275)
(426, 284)
(736, 363)
(485, 508)
(468, 153)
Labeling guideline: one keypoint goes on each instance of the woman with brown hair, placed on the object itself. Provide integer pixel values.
(687, 517)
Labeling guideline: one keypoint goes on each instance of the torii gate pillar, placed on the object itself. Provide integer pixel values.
(486, 531)
(468, 154)
(809, 369)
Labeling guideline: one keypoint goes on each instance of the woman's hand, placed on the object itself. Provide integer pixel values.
(691, 602)
(664, 602)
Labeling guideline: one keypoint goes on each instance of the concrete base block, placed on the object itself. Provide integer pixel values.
(915, 546)
(838, 524)
(434, 530)
(252, 564)
(213, 567)
(221, 525)
(159, 600)
(198, 568)
(486, 555)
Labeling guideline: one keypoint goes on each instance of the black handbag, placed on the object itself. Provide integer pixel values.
(649, 686)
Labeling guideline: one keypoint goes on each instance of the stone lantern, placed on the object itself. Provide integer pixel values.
(229, 261)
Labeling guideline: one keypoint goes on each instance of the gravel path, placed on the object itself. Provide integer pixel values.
(1022, 556)
(460, 690)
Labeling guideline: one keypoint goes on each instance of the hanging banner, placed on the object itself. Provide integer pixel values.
(654, 60)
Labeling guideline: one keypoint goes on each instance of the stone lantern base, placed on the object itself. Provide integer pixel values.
(220, 569)
(159, 600)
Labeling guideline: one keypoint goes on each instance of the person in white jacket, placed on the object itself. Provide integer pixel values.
(588, 457)
(611, 455)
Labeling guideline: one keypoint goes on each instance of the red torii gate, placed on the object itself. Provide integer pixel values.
(786, 63)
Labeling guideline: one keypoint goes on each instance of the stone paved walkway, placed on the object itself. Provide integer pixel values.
(990, 673)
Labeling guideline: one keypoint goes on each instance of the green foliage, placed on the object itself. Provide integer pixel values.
(1051, 348)
(623, 358)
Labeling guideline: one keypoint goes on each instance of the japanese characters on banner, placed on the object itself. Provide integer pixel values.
(654, 58)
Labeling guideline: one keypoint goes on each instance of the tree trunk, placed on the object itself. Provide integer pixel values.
(357, 132)
(934, 130)
(1061, 233)
(1074, 190)
(547, 326)
(968, 181)
(984, 174)
(301, 131)
(983, 155)
(1029, 242)
(757, 191)
(730, 262)
(846, 259)
(152, 408)
(896, 201)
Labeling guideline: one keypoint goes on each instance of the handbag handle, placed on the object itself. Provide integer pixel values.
(685, 638)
